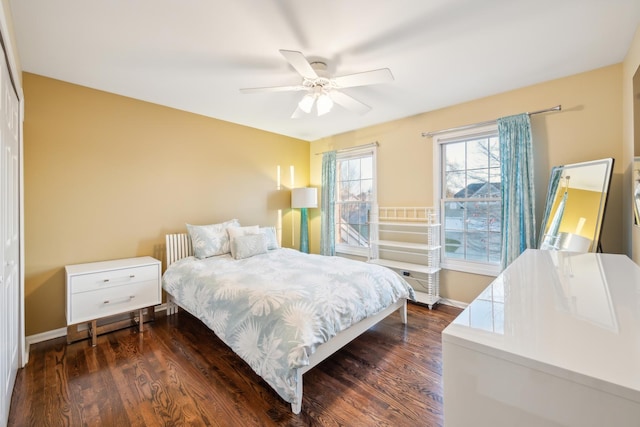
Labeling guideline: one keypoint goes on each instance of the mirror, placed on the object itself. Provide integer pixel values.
(636, 191)
(574, 210)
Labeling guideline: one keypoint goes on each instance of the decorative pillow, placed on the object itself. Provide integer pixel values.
(235, 232)
(248, 245)
(210, 240)
(271, 237)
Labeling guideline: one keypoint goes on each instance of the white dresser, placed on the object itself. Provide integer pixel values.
(101, 289)
(553, 341)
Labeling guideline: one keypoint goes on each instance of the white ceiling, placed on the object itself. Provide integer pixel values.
(195, 55)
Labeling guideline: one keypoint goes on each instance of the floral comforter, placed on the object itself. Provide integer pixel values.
(274, 309)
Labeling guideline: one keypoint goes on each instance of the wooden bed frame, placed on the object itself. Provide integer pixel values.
(179, 246)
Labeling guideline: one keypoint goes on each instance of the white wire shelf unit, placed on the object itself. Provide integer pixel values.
(407, 240)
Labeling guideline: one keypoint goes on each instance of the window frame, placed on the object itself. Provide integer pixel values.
(343, 248)
(467, 266)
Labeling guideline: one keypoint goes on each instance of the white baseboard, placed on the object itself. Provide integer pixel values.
(454, 303)
(60, 332)
(424, 298)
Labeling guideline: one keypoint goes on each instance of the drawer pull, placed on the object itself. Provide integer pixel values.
(130, 277)
(129, 298)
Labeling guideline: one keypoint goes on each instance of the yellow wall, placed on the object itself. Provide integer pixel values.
(630, 65)
(573, 212)
(588, 128)
(107, 176)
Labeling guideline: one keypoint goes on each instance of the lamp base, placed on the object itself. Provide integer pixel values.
(304, 231)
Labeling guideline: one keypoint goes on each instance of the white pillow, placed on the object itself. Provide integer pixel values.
(248, 245)
(235, 232)
(271, 236)
(210, 240)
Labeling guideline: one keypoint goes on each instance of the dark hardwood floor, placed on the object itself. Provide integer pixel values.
(177, 372)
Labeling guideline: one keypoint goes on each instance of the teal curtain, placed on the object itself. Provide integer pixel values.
(518, 197)
(549, 239)
(327, 205)
(552, 237)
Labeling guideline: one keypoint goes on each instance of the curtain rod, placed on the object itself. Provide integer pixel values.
(488, 122)
(357, 147)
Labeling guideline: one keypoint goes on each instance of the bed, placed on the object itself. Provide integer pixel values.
(282, 311)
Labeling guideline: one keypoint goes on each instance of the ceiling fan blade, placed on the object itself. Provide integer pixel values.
(300, 63)
(348, 102)
(273, 89)
(298, 113)
(372, 77)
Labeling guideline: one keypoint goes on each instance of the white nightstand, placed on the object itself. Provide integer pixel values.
(102, 289)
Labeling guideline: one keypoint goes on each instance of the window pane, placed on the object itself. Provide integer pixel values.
(344, 191)
(364, 232)
(345, 213)
(477, 154)
(343, 236)
(476, 246)
(354, 190)
(366, 167)
(494, 152)
(454, 155)
(354, 169)
(454, 215)
(453, 244)
(364, 213)
(495, 180)
(352, 213)
(354, 235)
(494, 214)
(455, 185)
(495, 243)
(344, 171)
(366, 189)
(477, 217)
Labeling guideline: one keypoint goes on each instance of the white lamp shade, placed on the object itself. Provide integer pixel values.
(306, 103)
(306, 197)
(324, 104)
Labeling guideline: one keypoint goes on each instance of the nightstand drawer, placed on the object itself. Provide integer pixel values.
(86, 306)
(113, 278)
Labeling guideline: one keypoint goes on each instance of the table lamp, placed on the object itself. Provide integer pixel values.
(303, 198)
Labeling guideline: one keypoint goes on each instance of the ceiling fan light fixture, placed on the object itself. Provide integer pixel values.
(324, 105)
(321, 89)
(306, 103)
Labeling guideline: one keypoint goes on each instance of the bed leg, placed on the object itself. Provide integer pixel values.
(296, 406)
(403, 312)
(172, 307)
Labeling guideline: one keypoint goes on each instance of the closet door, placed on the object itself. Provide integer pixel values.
(9, 238)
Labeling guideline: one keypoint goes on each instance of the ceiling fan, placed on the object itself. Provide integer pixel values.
(321, 89)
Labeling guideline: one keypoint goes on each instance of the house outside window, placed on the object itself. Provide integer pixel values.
(468, 187)
(355, 197)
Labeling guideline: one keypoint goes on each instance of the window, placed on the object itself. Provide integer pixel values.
(469, 189)
(356, 194)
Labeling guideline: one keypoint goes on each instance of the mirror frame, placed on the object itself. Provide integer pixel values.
(636, 191)
(557, 173)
